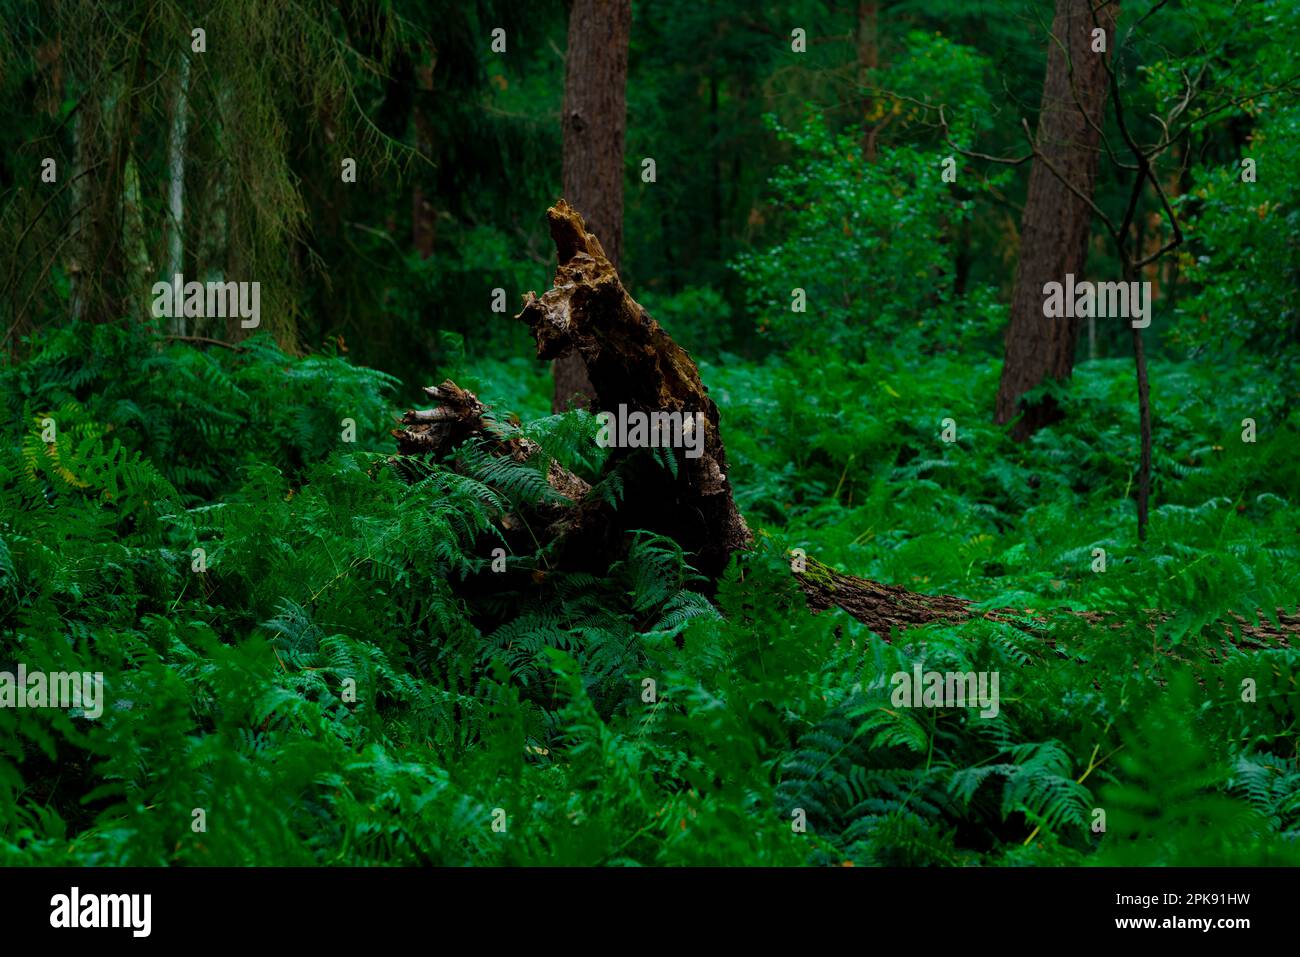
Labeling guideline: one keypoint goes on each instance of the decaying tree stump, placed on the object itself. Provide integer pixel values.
(632, 362)
(635, 367)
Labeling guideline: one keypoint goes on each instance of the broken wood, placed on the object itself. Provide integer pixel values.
(459, 418)
(885, 608)
(633, 362)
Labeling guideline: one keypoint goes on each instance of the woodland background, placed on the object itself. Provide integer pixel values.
(328, 566)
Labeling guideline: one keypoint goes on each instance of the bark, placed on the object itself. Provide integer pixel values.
(884, 608)
(715, 137)
(176, 142)
(213, 239)
(106, 147)
(133, 240)
(1144, 419)
(423, 216)
(76, 287)
(1054, 228)
(634, 363)
(868, 52)
(868, 59)
(1144, 427)
(595, 118)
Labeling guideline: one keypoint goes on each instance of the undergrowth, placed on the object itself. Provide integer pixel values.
(320, 685)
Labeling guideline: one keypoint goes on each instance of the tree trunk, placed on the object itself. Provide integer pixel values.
(715, 149)
(138, 278)
(212, 243)
(868, 59)
(77, 259)
(595, 118)
(1054, 228)
(1131, 274)
(176, 141)
(107, 140)
(423, 217)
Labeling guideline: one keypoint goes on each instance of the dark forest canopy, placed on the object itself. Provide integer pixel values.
(329, 328)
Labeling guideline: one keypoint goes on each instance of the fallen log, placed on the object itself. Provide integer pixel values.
(886, 608)
(633, 363)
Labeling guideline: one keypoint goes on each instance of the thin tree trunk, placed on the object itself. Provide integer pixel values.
(1055, 226)
(176, 187)
(1144, 418)
(868, 59)
(103, 264)
(423, 217)
(133, 240)
(76, 268)
(1144, 412)
(213, 242)
(595, 118)
(715, 148)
